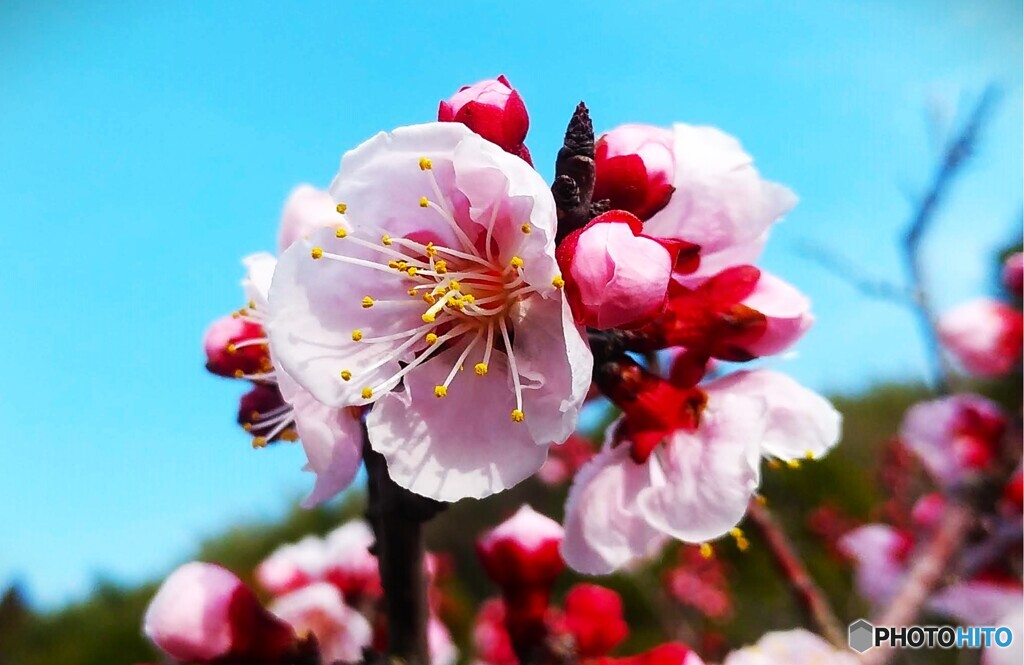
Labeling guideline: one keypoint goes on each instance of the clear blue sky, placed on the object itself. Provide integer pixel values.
(146, 147)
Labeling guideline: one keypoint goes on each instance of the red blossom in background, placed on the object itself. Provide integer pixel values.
(700, 582)
(635, 168)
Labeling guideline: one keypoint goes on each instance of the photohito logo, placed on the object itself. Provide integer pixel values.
(863, 635)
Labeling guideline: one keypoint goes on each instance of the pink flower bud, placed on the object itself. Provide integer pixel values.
(984, 335)
(635, 168)
(235, 346)
(494, 110)
(293, 566)
(614, 275)
(593, 614)
(341, 632)
(1013, 274)
(521, 556)
(202, 612)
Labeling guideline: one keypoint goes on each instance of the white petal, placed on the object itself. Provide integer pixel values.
(464, 445)
(977, 603)
(878, 571)
(800, 422)
(555, 363)
(711, 474)
(306, 210)
(259, 272)
(603, 528)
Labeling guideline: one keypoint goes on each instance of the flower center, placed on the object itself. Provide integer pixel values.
(465, 294)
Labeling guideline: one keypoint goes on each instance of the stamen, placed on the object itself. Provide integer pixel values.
(518, 416)
(431, 338)
(558, 282)
(346, 375)
(412, 244)
(420, 359)
(516, 263)
(259, 442)
(386, 239)
(431, 314)
(463, 238)
(425, 164)
(340, 233)
(440, 391)
(424, 202)
(367, 392)
(525, 228)
(316, 253)
(706, 551)
(462, 359)
(357, 335)
(367, 302)
(515, 370)
(341, 208)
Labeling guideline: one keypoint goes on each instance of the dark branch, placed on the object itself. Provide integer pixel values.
(845, 269)
(573, 188)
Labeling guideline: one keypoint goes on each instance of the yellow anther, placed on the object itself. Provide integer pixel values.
(247, 427)
(469, 298)
(393, 265)
(367, 302)
(440, 391)
(810, 454)
(386, 239)
(252, 304)
(736, 532)
(774, 463)
(429, 298)
(235, 315)
(341, 208)
(340, 232)
(526, 228)
(431, 250)
(428, 317)
(231, 348)
(454, 286)
(254, 415)
(357, 335)
(558, 282)
(441, 267)
(289, 435)
(424, 202)
(518, 416)
(367, 392)
(243, 312)
(413, 292)
(346, 375)
(239, 374)
(793, 463)
(516, 262)
(761, 499)
(425, 164)
(742, 544)
(412, 270)
(259, 442)
(317, 253)
(431, 338)
(706, 551)
(480, 369)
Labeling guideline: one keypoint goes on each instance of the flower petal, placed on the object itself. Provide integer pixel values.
(259, 273)
(306, 210)
(603, 528)
(800, 422)
(463, 445)
(710, 474)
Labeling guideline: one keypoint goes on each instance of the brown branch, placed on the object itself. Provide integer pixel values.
(397, 516)
(573, 188)
(923, 577)
(842, 267)
(810, 596)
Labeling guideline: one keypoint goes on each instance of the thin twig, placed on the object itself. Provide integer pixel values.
(806, 590)
(871, 286)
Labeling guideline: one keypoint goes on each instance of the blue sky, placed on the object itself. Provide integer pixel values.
(146, 147)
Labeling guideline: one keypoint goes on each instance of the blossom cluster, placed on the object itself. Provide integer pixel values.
(325, 597)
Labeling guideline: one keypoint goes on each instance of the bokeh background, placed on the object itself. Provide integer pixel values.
(146, 147)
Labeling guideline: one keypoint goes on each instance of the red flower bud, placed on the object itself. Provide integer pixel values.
(635, 167)
(593, 614)
(235, 346)
(494, 110)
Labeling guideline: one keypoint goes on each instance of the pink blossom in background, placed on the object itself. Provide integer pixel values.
(635, 169)
(350, 565)
(293, 566)
(791, 647)
(879, 553)
(491, 642)
(203, 612)
(1013, 274)
(493, 109)
(700, 582)
(615, 276)
(340, 327)
(954, 436)
(987, 603)
(341, 632)
(984, 335)
(565, 460)
(306, 210)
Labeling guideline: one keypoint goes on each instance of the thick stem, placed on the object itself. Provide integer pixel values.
(803, 586)
(924, 576)
(397, 517)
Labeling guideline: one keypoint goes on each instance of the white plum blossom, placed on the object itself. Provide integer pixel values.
(437, 299)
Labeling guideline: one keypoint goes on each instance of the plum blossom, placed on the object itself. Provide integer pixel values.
(593, 615)
(719, 201)
(493, 109)
(565, 460)
(203, 612)
(984, 336)
(615, 276)
(341, 632)
(685, 462)
(1013, 274)
(635, 168)
(670, 653)
(791, 647)
(955, 435)
(350, 564)
(442, 258)
(879, 553)
(987, 602)
(293, 566)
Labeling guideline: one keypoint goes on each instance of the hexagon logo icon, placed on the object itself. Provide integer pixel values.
(862, 635)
